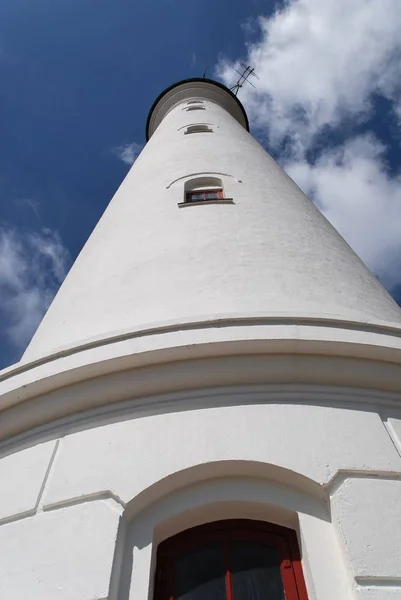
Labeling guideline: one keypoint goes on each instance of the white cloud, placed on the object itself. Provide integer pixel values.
(320, 63)
(32, 266)
(351, 186)
(128, 153)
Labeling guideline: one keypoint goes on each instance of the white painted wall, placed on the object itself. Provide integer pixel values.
(22, 477)
(148, 261)
(331, 473)
(269, 389)
(371, 530)
(330, 440)
(61, 555)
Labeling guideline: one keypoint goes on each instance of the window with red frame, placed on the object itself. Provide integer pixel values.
(230, 560)
(202, 195)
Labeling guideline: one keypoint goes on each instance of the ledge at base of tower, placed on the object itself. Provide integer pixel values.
(232, 365)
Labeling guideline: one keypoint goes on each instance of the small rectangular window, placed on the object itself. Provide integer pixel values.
(203, 195)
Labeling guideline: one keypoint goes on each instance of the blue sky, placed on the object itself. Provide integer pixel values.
(78, 79)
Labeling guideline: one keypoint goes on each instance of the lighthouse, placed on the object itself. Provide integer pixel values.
(211, 406)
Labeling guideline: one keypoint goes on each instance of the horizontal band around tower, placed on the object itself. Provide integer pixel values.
(197, 356)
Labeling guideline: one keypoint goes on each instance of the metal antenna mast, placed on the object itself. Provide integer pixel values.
(243, 78)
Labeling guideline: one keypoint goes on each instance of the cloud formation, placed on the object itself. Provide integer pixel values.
(319, 62)
(128, 153)
(32, 266)
(320, 66)
(350, 185)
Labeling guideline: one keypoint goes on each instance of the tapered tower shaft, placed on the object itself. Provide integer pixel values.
(261, 249)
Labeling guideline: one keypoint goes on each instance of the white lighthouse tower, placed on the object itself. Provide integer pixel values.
(211, 407)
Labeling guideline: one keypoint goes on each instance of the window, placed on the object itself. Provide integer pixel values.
(203, 189)
(198, 129)
(195, 108)
(230, 560)
(202, 195)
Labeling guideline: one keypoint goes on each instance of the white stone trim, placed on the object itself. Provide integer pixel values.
(111, 410)
(327, 354)
(238, 498)
(201, 174)
(317, 321)
(204, 202)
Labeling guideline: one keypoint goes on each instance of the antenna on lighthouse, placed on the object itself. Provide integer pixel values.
(244, 78)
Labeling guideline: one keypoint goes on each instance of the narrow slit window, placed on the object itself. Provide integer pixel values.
(198, 129)
(194, 108)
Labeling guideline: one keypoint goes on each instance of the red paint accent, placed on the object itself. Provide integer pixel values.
(281, 538)
(297, 566)
(229, 586)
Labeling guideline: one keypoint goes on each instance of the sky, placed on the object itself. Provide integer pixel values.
(78, 78)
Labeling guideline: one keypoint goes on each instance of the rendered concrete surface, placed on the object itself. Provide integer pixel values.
(112, 457)
(63, 555)
(22, 479)
(368, 513)
(229, 360)
(270, 251)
